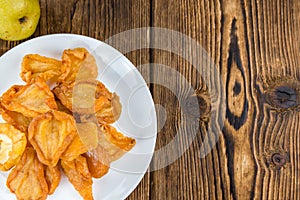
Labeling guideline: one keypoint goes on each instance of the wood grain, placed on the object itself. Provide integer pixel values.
(275, 63)
(255, 46)
(190, 176)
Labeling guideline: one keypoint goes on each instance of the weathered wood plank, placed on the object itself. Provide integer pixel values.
(189, 177)
(236, 74)
(273, 38)
(256, 45)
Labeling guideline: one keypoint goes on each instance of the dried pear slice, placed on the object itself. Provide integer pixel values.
(110, 112)
(18, 120)
(53, 177)
(50, 134)
(30, 100)
(78, 64)
(12, 145)
(114, 142)
(84, 96)
(27, 179)
(35, 65)
(78, 174)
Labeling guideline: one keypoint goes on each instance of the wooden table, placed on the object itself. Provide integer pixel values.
(255, 46)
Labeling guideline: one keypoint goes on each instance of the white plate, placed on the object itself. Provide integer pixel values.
(138, 118)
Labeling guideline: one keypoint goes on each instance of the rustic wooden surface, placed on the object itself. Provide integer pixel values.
(255, 44)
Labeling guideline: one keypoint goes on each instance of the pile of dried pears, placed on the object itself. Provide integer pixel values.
(65, 128)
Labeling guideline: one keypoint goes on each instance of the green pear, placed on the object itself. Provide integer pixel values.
(18, 19)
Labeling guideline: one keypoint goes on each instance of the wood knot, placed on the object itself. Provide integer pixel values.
(198, 105)
(277, 159)
(284, 94)
(283, 97)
